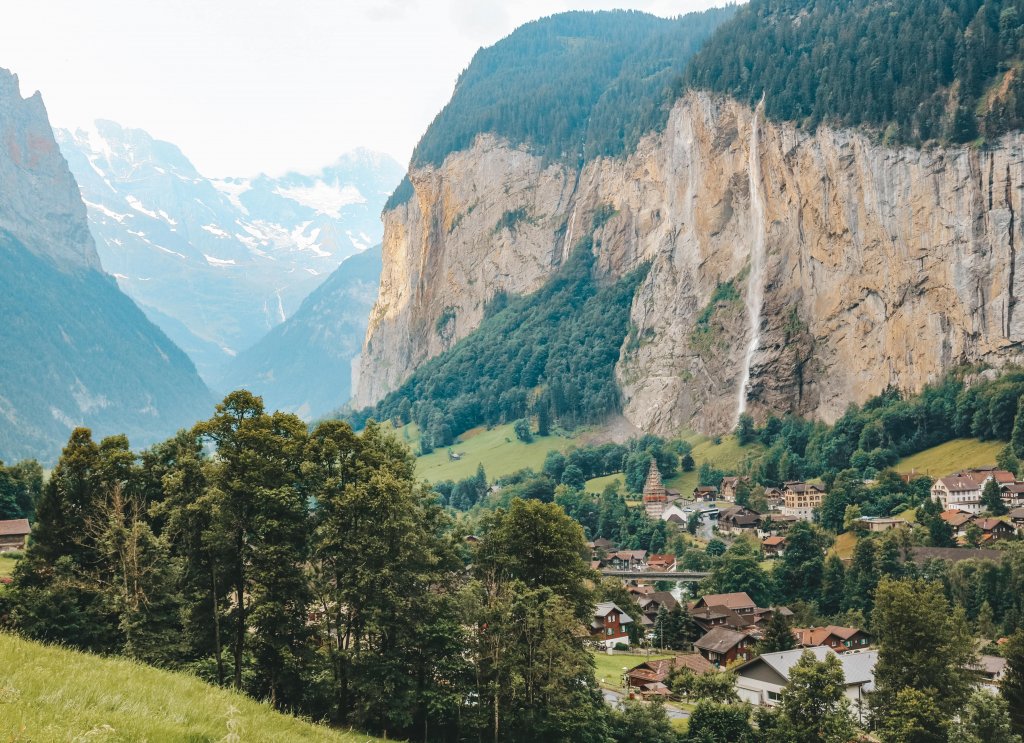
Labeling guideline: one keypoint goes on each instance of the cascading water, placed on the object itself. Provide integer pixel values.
(754, 299)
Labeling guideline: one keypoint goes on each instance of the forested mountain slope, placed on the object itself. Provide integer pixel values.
(76, 350)
(304, 365)
(797, 262)
(921, 70)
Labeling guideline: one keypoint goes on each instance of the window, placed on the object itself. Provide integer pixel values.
(608, 631)
(774, 696)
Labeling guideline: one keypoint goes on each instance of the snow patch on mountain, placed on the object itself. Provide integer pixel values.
(323, 198)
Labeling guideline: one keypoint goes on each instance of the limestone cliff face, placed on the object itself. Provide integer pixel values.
(882, 266)
(40, 203)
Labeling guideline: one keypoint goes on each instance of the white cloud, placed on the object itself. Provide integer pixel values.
(245, 86)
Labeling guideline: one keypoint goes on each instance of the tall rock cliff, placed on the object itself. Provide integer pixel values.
(877, 266)
(76, 351)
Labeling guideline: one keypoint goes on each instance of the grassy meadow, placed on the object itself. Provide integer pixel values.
(498, 449)
(53, 694)
(952, 456)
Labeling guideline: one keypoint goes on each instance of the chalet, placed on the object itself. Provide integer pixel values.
(739, 602)
(991, 669)
(761, 680)
(721, 646)
(1017, 519)
(729, 486)
(705, 492)
(14, 535)
(992, 530)
(961, 491)
(800, 499)
(627, 560)
(774, 497)
(773, 546)
(958, 520)
(662, 563)
(655, 494)
(652, 603)
(609, 625)
(738, 520)
(658, 671)
(838, 639)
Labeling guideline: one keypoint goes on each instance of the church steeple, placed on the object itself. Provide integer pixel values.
(654, 490)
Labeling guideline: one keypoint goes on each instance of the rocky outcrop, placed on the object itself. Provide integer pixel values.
(882, 266)
(40, 203)
(76, 351)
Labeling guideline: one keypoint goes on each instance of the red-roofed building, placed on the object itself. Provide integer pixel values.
(773, 546)
(839, 639)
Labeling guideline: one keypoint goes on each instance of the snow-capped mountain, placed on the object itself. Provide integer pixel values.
(217, 263)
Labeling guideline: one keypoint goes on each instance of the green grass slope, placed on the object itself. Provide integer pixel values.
(498, 449)
(951, 456)
(53, 694)
(726, 455)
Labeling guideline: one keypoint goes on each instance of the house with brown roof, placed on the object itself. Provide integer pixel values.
(658, 671)
(960, 491)
(729, 486)
(1012, 494)
(738, 520)
(721, 646)
(627, 560)
(662, 563)
(839, 639)
(652, 603)
(705, 492)
(773, 547)
(14, 535)
(609, 625)
(1017, 519)
(957, 519)
(738, 602)
(992, 529)
(800, 499)
(991, 669)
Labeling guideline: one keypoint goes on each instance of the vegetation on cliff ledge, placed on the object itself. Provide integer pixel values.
(551, 354)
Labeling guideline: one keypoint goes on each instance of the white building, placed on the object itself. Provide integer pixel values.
(800, 499)
(961, 492)
(761, 680)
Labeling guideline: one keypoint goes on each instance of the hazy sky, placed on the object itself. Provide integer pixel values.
(244, 86)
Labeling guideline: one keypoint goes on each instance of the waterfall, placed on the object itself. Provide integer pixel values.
(754, 299)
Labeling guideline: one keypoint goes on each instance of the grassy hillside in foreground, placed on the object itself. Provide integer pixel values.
(498, 449)
(53, 694)
(952, 456)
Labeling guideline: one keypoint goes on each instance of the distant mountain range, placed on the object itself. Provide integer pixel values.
(304, 365)
(76, 350)
(216, 264)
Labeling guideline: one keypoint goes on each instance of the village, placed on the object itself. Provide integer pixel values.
(732, 643)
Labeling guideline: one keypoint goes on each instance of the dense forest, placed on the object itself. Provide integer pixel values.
(921, 71)
(551, 354)
(573, 86)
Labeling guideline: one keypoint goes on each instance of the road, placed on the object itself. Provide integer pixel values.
(614, 699)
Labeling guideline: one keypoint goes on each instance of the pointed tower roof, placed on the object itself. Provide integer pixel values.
(653, 487)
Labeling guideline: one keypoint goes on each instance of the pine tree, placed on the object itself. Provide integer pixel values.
(924, 648)
(778, 635)
(991, 498)
(833, 585)
(814, 705)
(1012, 686)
